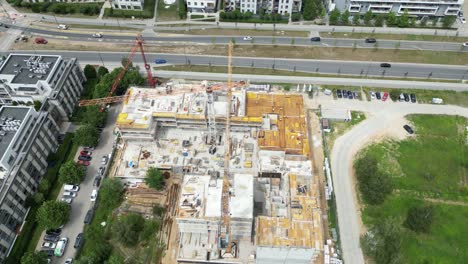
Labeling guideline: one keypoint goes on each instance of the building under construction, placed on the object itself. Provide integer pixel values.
(275, 215)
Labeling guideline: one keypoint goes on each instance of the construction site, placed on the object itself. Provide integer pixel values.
(239, 183)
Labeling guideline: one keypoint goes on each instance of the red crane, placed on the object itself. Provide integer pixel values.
(138, 44)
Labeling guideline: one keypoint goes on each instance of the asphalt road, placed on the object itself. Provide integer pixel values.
(258, 40)
(82, 203)
(335, 67)
(343, 153)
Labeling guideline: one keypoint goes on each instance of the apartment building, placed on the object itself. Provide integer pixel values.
(283, 7)
(128, 4)
(429, 8)
(25, 78)
(204, 6)
(68, 1)
(27, 137)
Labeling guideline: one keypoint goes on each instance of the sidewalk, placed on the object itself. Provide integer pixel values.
(104, 6)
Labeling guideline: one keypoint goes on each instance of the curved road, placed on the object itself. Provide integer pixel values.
(259, 40)
(334, 67)
(345, 149)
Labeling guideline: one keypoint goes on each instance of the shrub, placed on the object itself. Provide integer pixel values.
(419, 219)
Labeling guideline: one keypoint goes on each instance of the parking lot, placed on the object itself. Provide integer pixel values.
(82, 202)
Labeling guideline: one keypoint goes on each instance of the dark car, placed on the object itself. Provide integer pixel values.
(54, 232)
(406, 97)
(160, 61)
(97, 181)
(78, 241)
(51, 238)
(408, 129)
(371, 40)
(101, 170)
(378, 96)
(89, 216)
(345, 94)
(385, 65)
(350, 94)
(315, 39)
(413, 98)
(84, 158)
(6, 26)
(49, 252)
(356, 95)
(339, 94)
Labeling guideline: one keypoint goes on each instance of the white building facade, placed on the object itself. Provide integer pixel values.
(203, 6)
(283, 7)
(128, 4)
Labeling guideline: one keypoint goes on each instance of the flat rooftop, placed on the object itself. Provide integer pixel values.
(242, 202)
(200, 197)
(11, 118)
(28, 69)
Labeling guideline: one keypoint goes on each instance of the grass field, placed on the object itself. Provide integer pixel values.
(394, 36)
(167, 14)
(432, 165)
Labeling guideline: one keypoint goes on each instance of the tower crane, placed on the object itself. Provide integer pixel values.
(137, 44)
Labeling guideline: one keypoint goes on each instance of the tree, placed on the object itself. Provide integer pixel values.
(356, 20)
(154, 178)
(71, 173)
(295, 17)
(373, 184)
(392, 19)
(94, 117)
(38, 198)
(403, 20)
(127, 229)
(379, 20)
(86, 135)
(37, 257)
(110, 192)
(368, 18)
(158, 210)
(395, 93)
(334, 17)
(383, 242)
(37, 105)
(90, 72)
(447, 21)
(182, 9)
(115, 259)
(150, 228)
(44, 185)
(52, 214)
(102, 71)
(419, 218)
(344, 18)
(310, 10)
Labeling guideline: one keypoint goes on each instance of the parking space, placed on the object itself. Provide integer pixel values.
(83, 201)
(348, 94)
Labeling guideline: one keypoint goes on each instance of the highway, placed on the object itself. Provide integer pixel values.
(334, 67)
(258, 40)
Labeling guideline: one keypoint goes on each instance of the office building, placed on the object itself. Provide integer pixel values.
(136, 5)
(204, 6)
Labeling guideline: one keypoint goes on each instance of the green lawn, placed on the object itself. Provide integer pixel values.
(167, 14)
(394, 36)
(431, 165)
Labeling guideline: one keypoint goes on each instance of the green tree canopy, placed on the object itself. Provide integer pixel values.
(383, 242)
(310, 10)
(334, 17)
(379, 20)
(71, 173)
(127, 228)
(93, 116)
(37, 257)
(182, 9)
(90, 72)
(52, 214)
(368, 18)
(403, 21)
(102, 71)
(356, 18)
(154, 178)
(86, 135)
(344, 18)
(419, 218)
(447, 21)
(392, 19)
(110, 192)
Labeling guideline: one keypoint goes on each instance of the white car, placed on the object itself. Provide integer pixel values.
(93, 195)
(465, 44)
(104, 160)
(97, 35)
(248, 38)
(50, 245)
(71, 188)
(69, 194)
(69, 261)
(463, 20)
(372, 95)
(67, 200)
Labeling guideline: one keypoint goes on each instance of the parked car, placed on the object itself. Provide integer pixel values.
(315, 39)
(89, 216)
(94, 195)
(401, 98)
(97, 35)
(385, 97)
(408, 129)
(356, 95)
(40, 41)
(413, 98)
(104, 160)
(465, 44)
(350, 94)
(160, 61)
(88, 149)
(50, 245)
(69, 261)
(101, 170)
(377, 95)
(406, 97)
(69, 194)
(345, 94)
(385, 65)
(54, 232)
(85, 153)
(371, 40)
(372, 95)
(83, 162)
(71, 188)
(49, 252)
(86, 158)
(67, 200)
(78, 241)
(248, 38)
(51, 238)
(97, 181)
(61, 246)
(339, 94)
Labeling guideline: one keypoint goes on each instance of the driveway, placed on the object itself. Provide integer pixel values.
(381, 118)
(82, 202)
